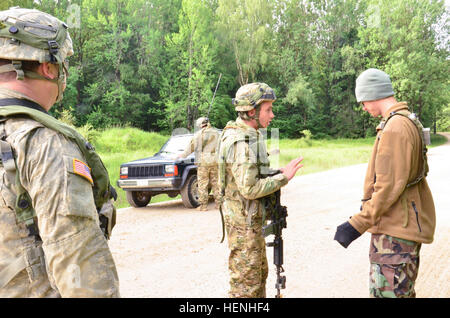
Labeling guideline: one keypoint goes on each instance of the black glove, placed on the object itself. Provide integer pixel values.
(345, 234)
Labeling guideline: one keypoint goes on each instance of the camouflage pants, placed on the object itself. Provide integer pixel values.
(247, 262)
(394, 265)
(207, 175)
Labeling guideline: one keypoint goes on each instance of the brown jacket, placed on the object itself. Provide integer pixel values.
(388, 206)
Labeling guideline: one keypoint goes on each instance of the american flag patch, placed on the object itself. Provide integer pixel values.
(82, 169)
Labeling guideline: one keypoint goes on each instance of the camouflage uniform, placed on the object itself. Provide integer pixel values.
(394, 264)
(243, 166)
(69, 256)
(204, 143)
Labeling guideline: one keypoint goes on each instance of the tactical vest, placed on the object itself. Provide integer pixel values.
(224, 147)
(102, 189)
(419, 126)
(253, 144)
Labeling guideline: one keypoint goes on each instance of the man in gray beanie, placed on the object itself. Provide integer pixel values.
(397, 205)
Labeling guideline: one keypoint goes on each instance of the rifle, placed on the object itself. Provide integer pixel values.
(275, 227)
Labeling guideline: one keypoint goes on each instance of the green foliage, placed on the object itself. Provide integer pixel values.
(245, 25)
(437, 140)
(189, 76)
(400, 37)
(154, 64)
(129, 139)
(87, 130)
(320, 155)
(443, 123)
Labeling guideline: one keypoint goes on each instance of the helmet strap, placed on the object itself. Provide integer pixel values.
(256, 116)
(258, 123)
(60, 81)
(16, 66)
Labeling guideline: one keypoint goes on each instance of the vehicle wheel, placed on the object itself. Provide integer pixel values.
(189, 192)
(138, 199)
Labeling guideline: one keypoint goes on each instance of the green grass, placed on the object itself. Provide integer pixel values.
(126, 140)
(437, 140)
(120, 145)
(321, 155)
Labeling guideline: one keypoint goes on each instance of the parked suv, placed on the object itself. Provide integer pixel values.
(163, 173)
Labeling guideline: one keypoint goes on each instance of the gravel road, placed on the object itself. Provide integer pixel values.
(165, 250)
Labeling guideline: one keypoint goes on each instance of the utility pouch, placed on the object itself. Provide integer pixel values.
(107, 218)
(268, 204)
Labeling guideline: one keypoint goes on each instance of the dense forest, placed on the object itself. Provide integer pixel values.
(154, 64)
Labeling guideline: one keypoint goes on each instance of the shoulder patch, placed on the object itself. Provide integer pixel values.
(82, 169)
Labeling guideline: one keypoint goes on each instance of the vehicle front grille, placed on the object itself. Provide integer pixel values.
(146, 171)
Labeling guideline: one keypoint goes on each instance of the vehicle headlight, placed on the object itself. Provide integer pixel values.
(170, 168)
(124, 170)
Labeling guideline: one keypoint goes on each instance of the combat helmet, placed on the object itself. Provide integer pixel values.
(32, 35)
(202, 121)
(251, 95)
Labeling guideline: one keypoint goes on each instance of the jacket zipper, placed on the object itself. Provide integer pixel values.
(417, 214)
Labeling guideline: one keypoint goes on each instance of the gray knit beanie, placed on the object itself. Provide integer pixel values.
(373, 84)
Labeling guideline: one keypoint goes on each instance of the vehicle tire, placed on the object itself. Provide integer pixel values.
(138, 199)
(189, 192)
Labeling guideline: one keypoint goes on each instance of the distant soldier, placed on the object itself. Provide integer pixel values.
(204, 143)
(55, 207)
(244, 182)
(397, 207)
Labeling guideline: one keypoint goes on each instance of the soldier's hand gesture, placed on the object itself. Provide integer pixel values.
(292, 167)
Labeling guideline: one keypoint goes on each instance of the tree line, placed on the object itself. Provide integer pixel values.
(154, 64)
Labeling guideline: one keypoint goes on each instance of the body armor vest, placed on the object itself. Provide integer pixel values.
(102, 189)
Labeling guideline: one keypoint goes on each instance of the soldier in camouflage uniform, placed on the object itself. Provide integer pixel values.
(398, 207)
(60, 251)
(204, 143)
(244, 181)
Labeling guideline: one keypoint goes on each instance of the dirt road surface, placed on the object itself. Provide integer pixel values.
(166, 250)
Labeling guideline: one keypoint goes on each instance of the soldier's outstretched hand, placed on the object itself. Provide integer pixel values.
(292, 167)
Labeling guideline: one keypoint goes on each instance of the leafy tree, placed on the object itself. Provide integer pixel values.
(189, 77)
(399, 37)
(154, 64)
(245, 26)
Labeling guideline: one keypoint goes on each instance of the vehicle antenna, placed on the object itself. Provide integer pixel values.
(214, 95)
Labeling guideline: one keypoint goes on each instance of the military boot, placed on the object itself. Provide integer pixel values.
(202, 207)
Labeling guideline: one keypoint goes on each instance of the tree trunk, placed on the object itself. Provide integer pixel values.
(190, 118)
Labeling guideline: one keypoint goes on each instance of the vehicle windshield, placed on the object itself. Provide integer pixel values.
(176, 145)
